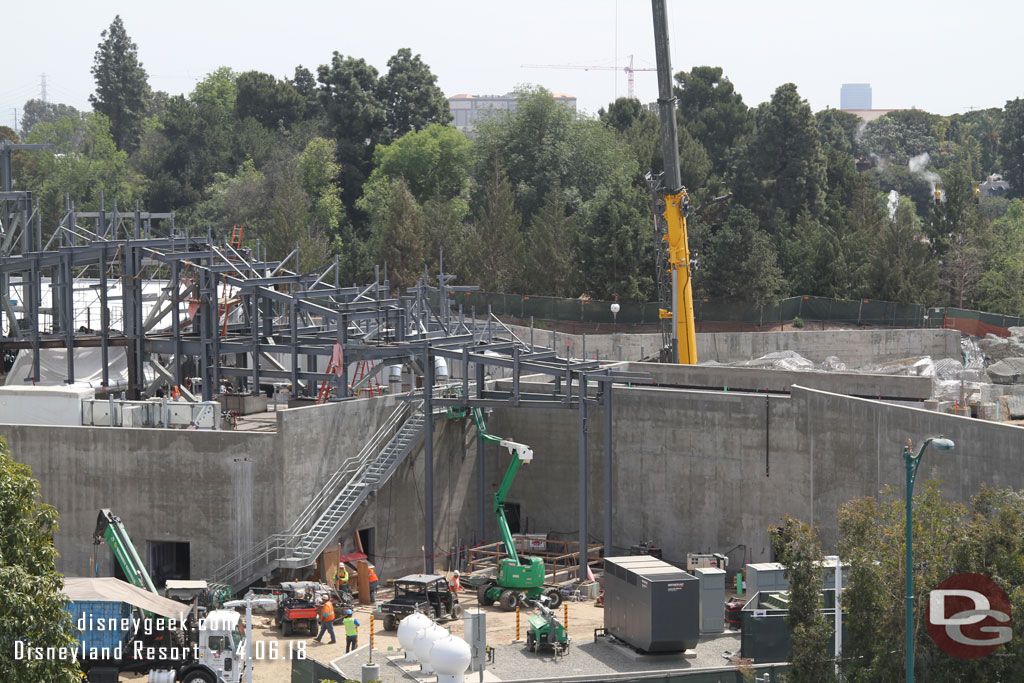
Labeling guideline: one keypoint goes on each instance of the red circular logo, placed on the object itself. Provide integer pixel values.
(968, 616)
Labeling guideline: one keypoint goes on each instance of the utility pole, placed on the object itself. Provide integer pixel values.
(42, 87)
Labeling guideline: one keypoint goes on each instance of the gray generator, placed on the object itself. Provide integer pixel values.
(651, 605)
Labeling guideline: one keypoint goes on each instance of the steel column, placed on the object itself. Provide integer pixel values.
(582, 465)
(428, 462)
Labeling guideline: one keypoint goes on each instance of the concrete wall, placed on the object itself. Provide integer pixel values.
(224, 491)
(704, 471)
(215, 490)
(856, 348)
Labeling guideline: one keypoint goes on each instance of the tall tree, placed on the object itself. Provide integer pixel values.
(785, 155)
(31, 601)
(495, 252)
(1001, 289)
(902, 267)
(1011, 145)
(270, 101)
(712, 111)
(550, 248)
(616, 250)
(736, 260)
(356, 115)
(400, 243)
(796, 546)
(41, 111)
(122, 88)
(410, 96)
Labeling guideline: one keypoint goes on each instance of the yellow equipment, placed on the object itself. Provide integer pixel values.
(676, 207)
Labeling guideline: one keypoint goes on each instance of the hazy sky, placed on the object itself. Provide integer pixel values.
(943, 57)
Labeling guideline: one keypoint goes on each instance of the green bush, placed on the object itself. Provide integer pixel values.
(798, 322)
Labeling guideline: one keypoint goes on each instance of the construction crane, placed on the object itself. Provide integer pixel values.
(629, 69)
(671, 206)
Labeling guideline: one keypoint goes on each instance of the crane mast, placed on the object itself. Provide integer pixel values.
(673, 205)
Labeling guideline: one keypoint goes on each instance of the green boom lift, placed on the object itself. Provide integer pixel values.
(110, 528)
(517, 577)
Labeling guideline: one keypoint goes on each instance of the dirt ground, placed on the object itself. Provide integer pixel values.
(277, 651)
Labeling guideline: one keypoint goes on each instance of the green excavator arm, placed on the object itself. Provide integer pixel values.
(109, 528)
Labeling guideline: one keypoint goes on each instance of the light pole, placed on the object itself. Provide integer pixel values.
(615, 310)
(912, 462)
(247, 602)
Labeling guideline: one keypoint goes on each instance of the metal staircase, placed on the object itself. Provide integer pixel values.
(333, 506)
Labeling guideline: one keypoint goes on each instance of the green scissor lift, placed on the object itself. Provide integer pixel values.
(517, 577)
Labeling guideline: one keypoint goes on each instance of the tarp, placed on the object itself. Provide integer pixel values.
(53, 367)
(109, 589)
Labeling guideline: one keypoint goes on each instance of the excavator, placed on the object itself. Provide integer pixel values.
(518, 578)
(671, 208)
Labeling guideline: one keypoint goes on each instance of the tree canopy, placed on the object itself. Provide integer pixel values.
(122, 88)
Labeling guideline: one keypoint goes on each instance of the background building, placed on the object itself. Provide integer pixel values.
(855, 96)
(468, 110)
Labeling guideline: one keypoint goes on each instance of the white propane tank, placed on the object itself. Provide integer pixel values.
(440, 370)
(424, 642)
(395, 380)
(408, 628)
(450, 657)
(161, 676)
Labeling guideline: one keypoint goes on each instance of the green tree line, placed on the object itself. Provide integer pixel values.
(349, 162)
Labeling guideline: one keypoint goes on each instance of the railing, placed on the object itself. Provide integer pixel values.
(281, 545)
(561, 558)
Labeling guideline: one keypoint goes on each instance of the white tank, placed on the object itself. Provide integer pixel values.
(450, 657)
(395, 379)
(407, 630)
(424, 642)
(440, 369)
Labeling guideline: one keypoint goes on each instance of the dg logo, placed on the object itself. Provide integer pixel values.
(969, 616)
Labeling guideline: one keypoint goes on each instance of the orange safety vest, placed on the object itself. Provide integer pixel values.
(373, 575)
(327, 612)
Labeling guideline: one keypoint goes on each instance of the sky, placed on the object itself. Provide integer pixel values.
(943, 57)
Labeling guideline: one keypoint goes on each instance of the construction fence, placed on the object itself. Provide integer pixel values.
(720, 315)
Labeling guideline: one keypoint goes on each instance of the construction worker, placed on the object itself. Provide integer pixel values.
(455, 583)
(341, 576)
(373, 585)
(326, 614)
(351, 631)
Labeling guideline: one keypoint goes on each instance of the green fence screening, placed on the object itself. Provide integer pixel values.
(711, 314)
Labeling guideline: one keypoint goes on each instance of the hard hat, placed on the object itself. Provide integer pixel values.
(348, 612)
(456, 572)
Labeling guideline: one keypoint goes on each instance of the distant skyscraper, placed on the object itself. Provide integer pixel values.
(855, 96)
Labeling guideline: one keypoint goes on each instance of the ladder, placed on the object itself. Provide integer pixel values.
(325, 387)
(225, 307)
(364, 368)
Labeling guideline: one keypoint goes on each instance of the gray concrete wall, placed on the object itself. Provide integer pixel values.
(856, 348)
(758, 379)
(709, 471)
(218, 491)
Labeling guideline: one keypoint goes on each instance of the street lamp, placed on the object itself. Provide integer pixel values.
(912, 462)
(615, 310)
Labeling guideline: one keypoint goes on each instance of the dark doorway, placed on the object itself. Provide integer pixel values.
(512, 517)
(366, 539)
(168, 560)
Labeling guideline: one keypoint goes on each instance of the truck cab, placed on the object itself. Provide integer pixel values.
(222, 645)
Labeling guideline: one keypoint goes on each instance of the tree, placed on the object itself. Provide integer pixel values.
(85, 164)
(985, 538)
(785, 154)
(434, 161)
(956, 233)
(1001, 288)
(31, 601)
(898, 136)
(41, 111)
(638, 129)
(616, 249)
(121, 85)
(494, 250)
(550, 249)
(410, 96)
(1011, 145)
(400, 244)
(712, 111)
(736, 260)
(268, 100)
(796, 547)
(356, 115)
(902, 268)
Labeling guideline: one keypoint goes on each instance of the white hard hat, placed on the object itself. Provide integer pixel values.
(456, 572)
